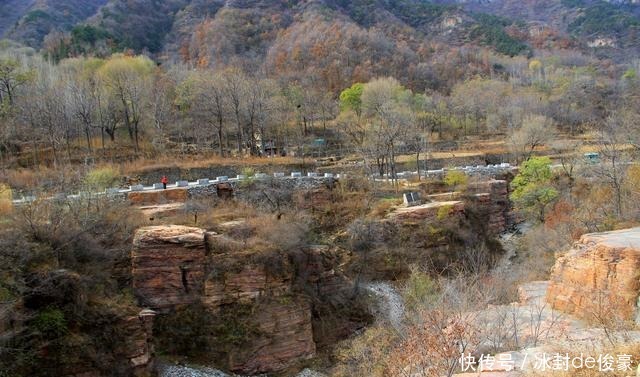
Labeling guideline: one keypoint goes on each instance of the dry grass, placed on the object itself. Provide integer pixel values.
(145, 164)
(6, 206)
(25, 177)
(32, 178)
(383, 207)
(477, 148)
(226, 211)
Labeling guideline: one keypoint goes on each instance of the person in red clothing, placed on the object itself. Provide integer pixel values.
(164, 181)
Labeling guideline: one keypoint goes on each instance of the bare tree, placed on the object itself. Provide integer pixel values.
(44, 110)
(385, 104)
(614, 159)
(536, 130)
(235, 87)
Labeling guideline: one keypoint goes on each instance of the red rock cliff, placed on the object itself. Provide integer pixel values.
(168, 265)
(178, 265)
(599, 276)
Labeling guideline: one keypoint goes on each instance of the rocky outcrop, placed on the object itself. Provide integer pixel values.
(493, 200)
(174, 266)
(139, 341)
(159, 211)
(427, 211)
(490, 197)
(168, 265)
(599, 276)
(247, 285)
(283, 290)
(285, 336)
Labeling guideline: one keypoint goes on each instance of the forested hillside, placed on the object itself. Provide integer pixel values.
(209, 32)
(292, 186)
(46, 18)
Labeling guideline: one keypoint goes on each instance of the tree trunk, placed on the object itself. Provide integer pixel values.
(239, 132)
(88, 135)
(221, 147)
(135, 137)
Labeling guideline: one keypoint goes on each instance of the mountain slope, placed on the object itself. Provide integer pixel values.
(11, 11)
(583, 19)
(33, 20)
(210, 32)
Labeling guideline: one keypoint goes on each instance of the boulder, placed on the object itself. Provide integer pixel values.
(168, 265)
(599, 276)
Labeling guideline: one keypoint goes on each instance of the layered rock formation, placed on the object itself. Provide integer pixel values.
(494, 200)
(599, 277)
(160, 211)
(139, 342)
(248, 284)
(491, 198)
(175, 266)
(286, 336)
(168, 265)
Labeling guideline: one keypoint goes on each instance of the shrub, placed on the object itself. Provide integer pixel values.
(444, 212)
(6, 206)
(456, 178)
(249, 172)
(102, 178)
(384, 206)
(51, 323)
(420, 290)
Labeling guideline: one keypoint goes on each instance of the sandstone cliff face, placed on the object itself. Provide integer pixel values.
(599, 276)
(494, 199)
(168, 265)
(139, 343)
(283, 291)
(175, 266)
(286, 336)
(245, 286)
